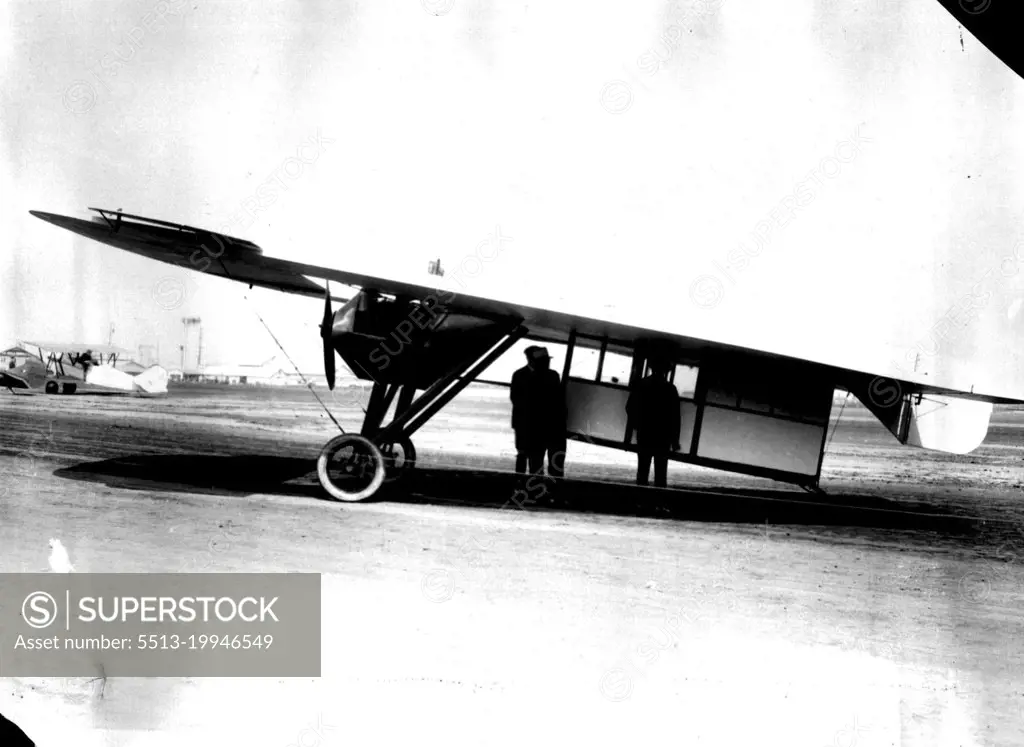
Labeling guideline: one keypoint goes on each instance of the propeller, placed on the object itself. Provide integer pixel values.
(325, 333)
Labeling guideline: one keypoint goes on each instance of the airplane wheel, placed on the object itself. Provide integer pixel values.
(69, 388)
(52, 387)
(350, 467)
(399, 458)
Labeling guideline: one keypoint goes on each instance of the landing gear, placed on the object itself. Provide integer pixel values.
(69, 388)
(353, 467)
(350, 467)
(399, 458)
(52, 387)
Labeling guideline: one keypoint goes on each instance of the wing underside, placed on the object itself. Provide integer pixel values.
(189, 248)
(236, 259)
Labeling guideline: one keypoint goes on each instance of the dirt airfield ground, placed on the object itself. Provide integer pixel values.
(727, 611)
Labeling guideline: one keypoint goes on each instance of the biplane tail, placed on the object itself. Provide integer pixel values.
(152, 381)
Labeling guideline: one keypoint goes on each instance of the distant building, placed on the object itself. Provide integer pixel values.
(234, 373)
(15, 354)
(272, 372)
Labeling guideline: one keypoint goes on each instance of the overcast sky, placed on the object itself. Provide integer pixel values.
(867, 155)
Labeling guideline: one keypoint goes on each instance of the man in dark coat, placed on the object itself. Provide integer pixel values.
(538, 415)
(653, 409)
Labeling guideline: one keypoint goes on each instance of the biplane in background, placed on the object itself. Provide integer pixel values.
(742, 410)
(69, 368)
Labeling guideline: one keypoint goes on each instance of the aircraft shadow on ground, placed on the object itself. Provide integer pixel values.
(204, 475)
(292, 476)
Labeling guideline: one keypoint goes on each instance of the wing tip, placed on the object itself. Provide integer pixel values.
(57, 220)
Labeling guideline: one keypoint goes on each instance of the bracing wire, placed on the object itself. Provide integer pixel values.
(309, 384)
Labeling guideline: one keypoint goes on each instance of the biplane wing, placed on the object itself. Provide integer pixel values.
(757, 411)
(74, 348)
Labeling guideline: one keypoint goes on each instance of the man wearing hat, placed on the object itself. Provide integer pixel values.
(653, 409)
(538, 415)
(85, 361)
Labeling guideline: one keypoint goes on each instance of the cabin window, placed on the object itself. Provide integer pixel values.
(616, 369)
(685, 380)
(584, 363)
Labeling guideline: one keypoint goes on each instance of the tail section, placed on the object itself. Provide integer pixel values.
(950, 424)
(152, 381)
(939, 422)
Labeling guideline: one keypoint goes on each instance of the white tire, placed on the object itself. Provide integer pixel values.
(365, 456)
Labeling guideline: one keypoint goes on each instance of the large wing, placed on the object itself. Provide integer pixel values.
(243, 261)
(188, 247)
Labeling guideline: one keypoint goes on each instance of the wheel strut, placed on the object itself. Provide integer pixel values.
(364, 460)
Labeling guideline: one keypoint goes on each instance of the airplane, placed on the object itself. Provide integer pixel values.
(743, 410)
(64, 368)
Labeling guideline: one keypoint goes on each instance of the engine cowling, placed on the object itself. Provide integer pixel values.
(407, 341)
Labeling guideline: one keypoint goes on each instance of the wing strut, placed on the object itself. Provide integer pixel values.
(444, 390)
